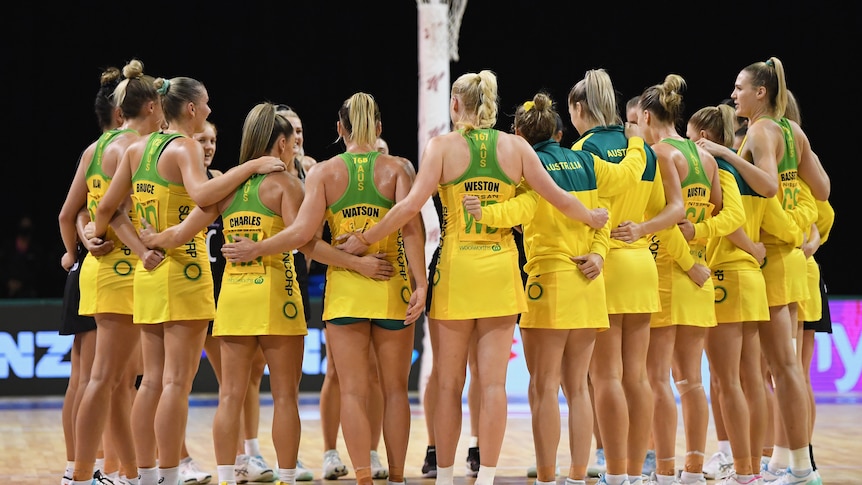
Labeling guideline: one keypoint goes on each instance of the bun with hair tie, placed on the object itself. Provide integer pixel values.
(163, 90)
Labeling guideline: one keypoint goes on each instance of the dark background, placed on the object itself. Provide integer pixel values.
(312, 55)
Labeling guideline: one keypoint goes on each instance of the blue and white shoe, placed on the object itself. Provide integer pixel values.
(303, 474)
(649, 463)
(790, 478)
(602, 481)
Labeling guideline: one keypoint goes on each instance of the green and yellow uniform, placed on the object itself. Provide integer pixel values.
(683, 302)
(106, 282)
(349, 294)
(785, 267)
(181, 287)
(477, 273)
(262, 296)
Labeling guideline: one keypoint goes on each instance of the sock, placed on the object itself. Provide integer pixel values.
(485, 475)
(287, 476)
(474, 442)
(636, 479)
(780, 459)
(744, 478)
(131, 481)
(445, 475)
(169, 475)
(100, 464)
(811, 455)
(665, 479)
(82, 482)
(252, 447)
(724, 447)
(572, 481)
(539, 482)
(148, 476)
(800, 462)
(225, 474)
(114, 476)
(185, 460)
(688, 477)
(615, 479)
(70, 467)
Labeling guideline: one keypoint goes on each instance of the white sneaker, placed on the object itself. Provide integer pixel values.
(654, 480)
(303, 474)
(602, 481)
(734, 480)
(770, 476)
(252, 469)
(644, 479)
(718, 466)
(790, 478)
(191, 474)
(378, 471)
(700, 481)
(333, 467)
(101, 479)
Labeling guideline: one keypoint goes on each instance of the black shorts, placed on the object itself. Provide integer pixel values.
(824, 325)
(70, 322)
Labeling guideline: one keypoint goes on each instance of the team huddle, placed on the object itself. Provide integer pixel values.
(621, 260)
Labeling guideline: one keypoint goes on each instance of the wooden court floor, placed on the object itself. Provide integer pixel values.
(32, 450)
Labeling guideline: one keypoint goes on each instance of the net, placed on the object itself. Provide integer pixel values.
(455, 14)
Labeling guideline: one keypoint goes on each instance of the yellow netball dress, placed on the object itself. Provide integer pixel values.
(106, 282)
(260, 297)
(740, 290)
(811, 309)
(785, 268)
(181, 287)
(682, 301)
(349, 294)
(477, 274)
(631, 279)
(559, 296)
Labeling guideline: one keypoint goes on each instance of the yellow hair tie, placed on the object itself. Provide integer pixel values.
(529, 105)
